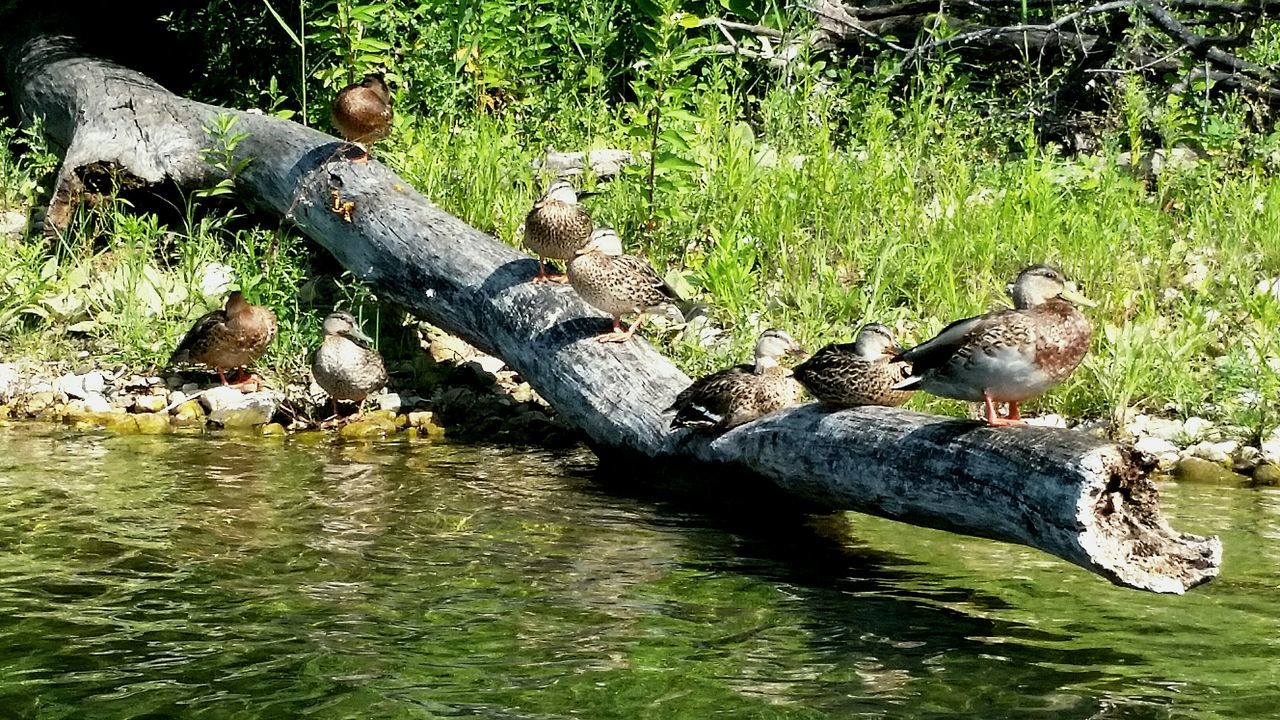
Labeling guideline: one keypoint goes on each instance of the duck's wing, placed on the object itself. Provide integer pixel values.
(201, 329)
(641, 274)
(937, 350)
(709, 400)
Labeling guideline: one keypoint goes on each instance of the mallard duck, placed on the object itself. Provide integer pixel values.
(858, 373)
(1008, 355)
(345, 366)
(230, 338)
(742, 393)
(616, 283)
(362, 112)
(557, 227)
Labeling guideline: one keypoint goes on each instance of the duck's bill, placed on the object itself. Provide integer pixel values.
(1072, 295)
(797, 351)
(358, 334)
(893, 350)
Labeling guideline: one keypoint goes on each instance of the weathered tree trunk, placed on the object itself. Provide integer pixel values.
(1066, 493)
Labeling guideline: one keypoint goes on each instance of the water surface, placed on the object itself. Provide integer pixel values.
(225, 577)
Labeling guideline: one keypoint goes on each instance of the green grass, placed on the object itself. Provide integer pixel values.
(807, 205)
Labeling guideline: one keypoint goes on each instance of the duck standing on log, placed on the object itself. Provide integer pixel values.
(616, 283)
(742, 393)
(230, 338)
(1008, 355)
(362, 113)
(557, 227)
(862, 372)
(345, 366)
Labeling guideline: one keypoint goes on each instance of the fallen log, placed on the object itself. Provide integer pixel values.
(1087, 501)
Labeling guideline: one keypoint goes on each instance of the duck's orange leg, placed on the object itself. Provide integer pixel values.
(993, 417)
(544, 276)
(617, 335)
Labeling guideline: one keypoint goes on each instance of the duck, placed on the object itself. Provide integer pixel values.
(345, 366)
(362, 112)
(557, 227)
(232, 337)
(728, 398)
(616, 283)
(1009, 355)
(862, 372)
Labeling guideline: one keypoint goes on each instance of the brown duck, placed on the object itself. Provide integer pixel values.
(557, 227)
(616, 283)
(230, 338)
(362, 112)
(728, 398)
(1008, 355)
(858, 373)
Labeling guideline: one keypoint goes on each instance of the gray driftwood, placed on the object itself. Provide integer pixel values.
(1084, 500)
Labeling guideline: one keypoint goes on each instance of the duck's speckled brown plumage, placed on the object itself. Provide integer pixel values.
(555, 229)
(742, 393)
(362, 111)
(342, 366)
(232, 337)
(733, 396)
(838, 377)
(1008, 355)
(618, 284)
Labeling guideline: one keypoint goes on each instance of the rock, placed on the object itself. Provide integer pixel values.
(1214, 452)
(1270, 287)
(215, 279)
(152, 423)
(221, 397)
(13, 222)
(1162, 428)
(1196, 428)
(447, 348)
(190, 389)
(39, 402)
(1245, 459)
(93, 382)
(370, 426)
(189, 413)
(69, 385)
(389, 402)
(8, 379)
(95, 403)
(150, 403)
(1197, 470)
(1270, 448)
(273, 430)
(253, 409)
(176, 398)
(489, 363)
(1163, 450)
(143, 424)
(1266, 475)
(173, 382)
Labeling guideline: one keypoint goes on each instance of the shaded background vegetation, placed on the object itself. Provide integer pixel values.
(811, 194)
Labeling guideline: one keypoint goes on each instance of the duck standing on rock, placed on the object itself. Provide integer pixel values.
(1008, 355)
(345, 366)
(229, 338)
(862, 372)
(616, 283)
(557, 227)
(742, 393)
(362, 113)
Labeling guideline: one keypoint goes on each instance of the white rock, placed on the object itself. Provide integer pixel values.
(1049, 420)
(215, 278)
(1215, 452)
(94, 382)
(12, 222)
(190, 388)
(254, 409)
(177, 397)
(221, 397)
(489, 363)
(1271, 448)
(150, 403)
(1163, 450)
(1196, 428)
(388, 401)
(1162, 428)
(70, 385)
(94, 402)
(8, 379)
(1270, 287)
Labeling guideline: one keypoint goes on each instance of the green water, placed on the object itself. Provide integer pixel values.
(231, 578)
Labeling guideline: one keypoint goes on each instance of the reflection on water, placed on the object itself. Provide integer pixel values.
(231, 577)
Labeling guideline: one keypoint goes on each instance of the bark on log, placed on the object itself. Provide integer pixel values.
(1066, 493)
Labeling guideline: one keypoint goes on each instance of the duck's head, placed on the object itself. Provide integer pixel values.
(343, 324)
(603, 241)
(236, 303)
(1039, 284)
(561, 191)
(377, 81)
(774, 343)
(875, 342)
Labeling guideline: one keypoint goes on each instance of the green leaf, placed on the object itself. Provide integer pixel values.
(688, 21)
(288, 30)
(670, 162)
